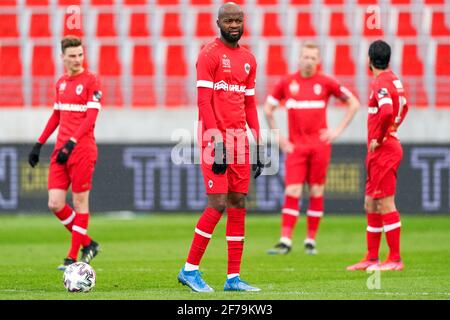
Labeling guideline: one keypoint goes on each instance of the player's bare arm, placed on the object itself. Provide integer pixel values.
(352, 104)
(285, 145)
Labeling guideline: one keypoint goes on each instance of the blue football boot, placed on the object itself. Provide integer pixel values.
(236, 284)
(193, 280)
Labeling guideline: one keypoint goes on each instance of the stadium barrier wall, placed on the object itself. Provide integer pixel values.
(143, 178)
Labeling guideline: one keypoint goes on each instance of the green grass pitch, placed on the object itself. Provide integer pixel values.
(141, 257)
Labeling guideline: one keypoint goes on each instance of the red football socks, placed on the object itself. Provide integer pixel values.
(67, 215)
(391, 223)
(235, 238)
(373, 234)
(314, 214)
(289, 216)
(203, 233)
(79, 232)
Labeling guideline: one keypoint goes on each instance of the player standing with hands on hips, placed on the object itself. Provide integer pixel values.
(77, 104)
(226, 75)
(308, 148)
(387, 110)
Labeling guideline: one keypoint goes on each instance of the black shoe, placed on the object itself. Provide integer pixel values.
(90, 252)
(280, 248)
(310, 246)
(67, 262)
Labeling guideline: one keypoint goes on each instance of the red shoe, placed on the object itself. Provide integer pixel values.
(364, 264)
(387, 265)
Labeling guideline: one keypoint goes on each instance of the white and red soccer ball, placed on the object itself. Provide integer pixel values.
(79, 277)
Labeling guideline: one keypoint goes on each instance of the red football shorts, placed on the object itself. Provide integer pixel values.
(78, 171)
(382, 166)
(308, 164)
(235, 179)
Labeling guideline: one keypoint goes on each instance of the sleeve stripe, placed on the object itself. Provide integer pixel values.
(56, 106)
(384, 101)
(273, 101)
(345, 91)
(205, 84)
(249, 92)
(94, 105)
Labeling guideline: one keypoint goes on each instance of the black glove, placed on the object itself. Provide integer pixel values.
(259, 165)
(64, 153)
(220, 159)
(33, 156)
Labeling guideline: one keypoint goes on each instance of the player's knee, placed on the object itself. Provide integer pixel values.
(238, 202)
(294, 191)
(55, 205)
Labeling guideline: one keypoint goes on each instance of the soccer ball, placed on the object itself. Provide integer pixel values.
(79, 277)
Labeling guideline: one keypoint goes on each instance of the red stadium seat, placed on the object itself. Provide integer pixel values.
(171, 25)
(434, 1)
(102, 2)
(176, 72)
(43, 76)
(11, 76)
(204, 25)
(138, 25)
(370, 25)
(40, 26)
(271, 27)
(109, 69)
(442, 75)
(405, 27)
(338, 27)
(412, 76)
(69, 2)
(438, 26)
(106, 25)
(8, 2)
(73, 25)
(304, 25)
(143, 77)
(276, 64)
(135, 2)
(411, 63)
(267, 2)
(300, 2)
(167, 2)
(201, 2)
(8, 26)
(344, 64)
(37, 2)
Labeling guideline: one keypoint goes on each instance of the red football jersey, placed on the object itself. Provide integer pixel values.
(74, 95)
(231, 74)
(306, 100)
(387, 96)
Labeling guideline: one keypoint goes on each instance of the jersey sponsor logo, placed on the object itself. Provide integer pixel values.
(226, 63)
(79, 89)
(71, 107)
(222, 85)
(97, 96)
(305, 104)
(317, 89)
(247, 68)
(62, 87)
(210, 184)
(372, 110)
(294, 87)
(382, 93)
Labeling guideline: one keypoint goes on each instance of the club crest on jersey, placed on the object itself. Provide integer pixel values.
(247, 68)
(294, 87)
(79, 89)
(317, 89)
(62, 87)
(382, 93)
(226, 63)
